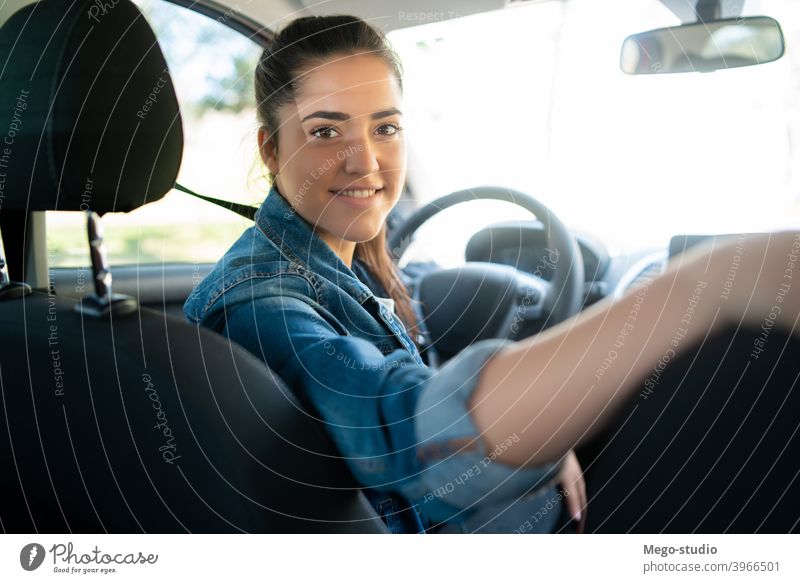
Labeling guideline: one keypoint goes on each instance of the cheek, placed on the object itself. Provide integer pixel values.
(397, 158)
(319, 165)
(395, 165)
(397, 149)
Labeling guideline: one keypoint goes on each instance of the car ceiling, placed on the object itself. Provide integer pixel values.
(392, 15)
(389, 14)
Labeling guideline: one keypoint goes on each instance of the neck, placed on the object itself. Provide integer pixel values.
(343, 249)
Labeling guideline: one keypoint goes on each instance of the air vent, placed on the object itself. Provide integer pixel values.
(647, 275)
(642, 272)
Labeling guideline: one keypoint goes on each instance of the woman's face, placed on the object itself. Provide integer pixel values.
(341, 157)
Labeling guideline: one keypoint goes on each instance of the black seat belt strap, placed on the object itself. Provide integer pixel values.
(247, 211)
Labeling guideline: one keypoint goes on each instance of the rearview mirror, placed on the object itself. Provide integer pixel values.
(703, 46)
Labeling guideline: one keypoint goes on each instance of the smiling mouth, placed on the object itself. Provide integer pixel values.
(358, 192)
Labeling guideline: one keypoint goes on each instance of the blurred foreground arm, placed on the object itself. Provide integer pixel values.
(558, 387)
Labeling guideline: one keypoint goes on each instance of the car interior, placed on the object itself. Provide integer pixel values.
(118, 416)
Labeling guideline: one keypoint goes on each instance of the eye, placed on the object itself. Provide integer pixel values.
(388, 129)
(324, 132)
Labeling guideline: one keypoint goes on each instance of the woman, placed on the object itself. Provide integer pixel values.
(485, 443)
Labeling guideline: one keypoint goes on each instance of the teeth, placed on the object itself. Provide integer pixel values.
(357, 193)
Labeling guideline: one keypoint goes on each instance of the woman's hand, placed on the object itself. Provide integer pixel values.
(571, 480)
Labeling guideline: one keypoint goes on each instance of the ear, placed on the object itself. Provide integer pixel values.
(268, 147)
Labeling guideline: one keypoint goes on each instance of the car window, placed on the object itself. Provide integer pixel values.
(212, 67)
(532, 97)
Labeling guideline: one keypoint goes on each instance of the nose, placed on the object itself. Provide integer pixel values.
(360, 157)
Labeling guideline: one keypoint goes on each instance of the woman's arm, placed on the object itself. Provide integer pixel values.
(556, 388)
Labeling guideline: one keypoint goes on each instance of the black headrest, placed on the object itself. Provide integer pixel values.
(89, 117)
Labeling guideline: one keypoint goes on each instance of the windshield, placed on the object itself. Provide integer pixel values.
(532, 97)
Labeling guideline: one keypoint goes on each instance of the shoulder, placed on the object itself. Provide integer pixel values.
(252, 268)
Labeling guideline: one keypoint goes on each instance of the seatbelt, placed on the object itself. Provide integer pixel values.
(247, 211)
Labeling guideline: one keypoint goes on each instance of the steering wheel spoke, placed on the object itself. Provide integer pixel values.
(532, 308)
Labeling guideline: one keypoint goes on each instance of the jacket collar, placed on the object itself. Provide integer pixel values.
(296, 239)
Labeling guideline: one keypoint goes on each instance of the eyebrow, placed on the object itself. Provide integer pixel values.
(340, 116)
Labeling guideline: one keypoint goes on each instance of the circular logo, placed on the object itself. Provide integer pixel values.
(31, 556)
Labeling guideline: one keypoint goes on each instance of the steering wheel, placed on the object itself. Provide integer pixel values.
(456, 307)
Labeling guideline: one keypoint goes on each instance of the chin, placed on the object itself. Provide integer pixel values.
(362, 235)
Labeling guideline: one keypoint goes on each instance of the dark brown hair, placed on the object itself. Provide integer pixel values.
(304, 43)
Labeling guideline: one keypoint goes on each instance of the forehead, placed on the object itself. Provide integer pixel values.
(352, 84)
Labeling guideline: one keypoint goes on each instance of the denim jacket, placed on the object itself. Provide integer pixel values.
(403, 428)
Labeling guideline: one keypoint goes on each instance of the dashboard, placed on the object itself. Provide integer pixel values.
(523, 244)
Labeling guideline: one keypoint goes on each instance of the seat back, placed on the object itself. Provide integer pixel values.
(148, 424)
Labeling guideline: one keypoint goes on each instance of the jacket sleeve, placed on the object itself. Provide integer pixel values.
(399, 425)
